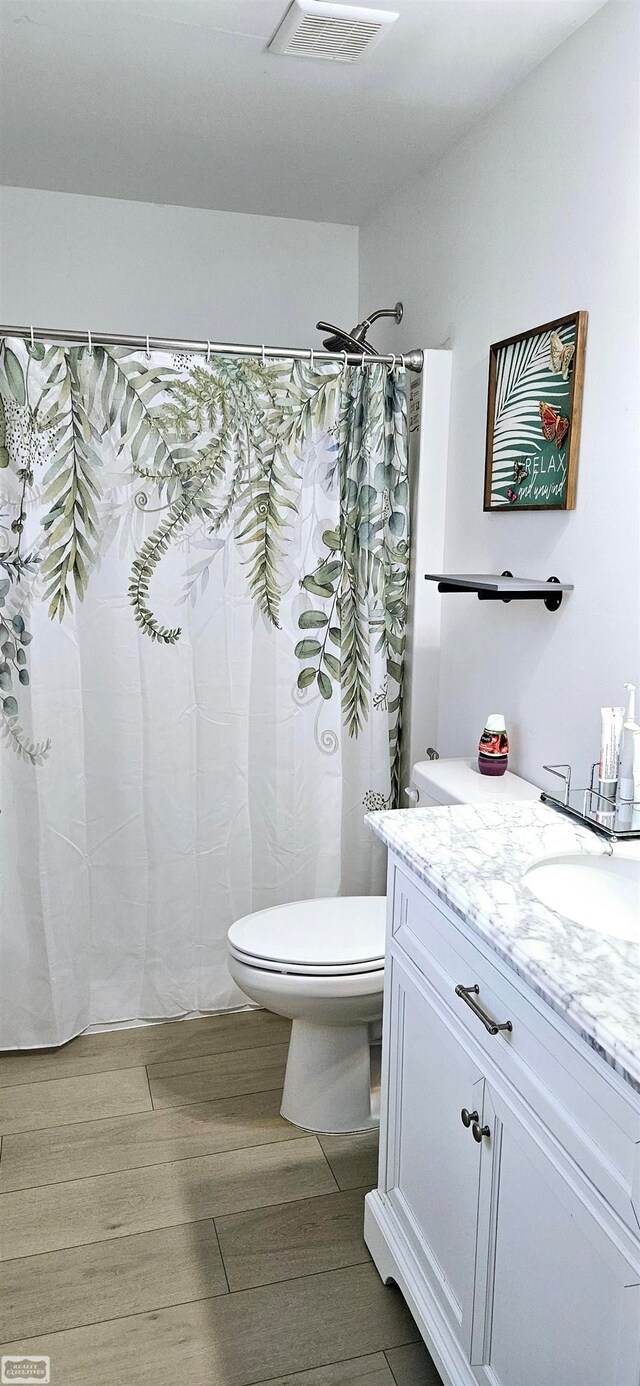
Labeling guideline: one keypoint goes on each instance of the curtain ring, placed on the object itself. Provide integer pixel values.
(208, 351)
(32, 337)
(364, 360)
(345, 363)
(393, 363)
(311, 358)
(404, 364)
(147, 352)
(89, 342)
(262, 357)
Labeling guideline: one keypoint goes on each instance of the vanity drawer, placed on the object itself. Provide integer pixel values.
(593, 1114)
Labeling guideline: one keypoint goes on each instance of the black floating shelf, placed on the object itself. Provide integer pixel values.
(503, 587)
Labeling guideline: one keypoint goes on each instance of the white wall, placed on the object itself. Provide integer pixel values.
(136, 267)
(428, 446)
(533, 215)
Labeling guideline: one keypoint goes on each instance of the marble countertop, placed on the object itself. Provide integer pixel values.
(474, 857)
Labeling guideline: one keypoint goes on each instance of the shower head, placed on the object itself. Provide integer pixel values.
(356, 339)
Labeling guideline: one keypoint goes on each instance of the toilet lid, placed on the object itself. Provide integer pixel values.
(327, 934)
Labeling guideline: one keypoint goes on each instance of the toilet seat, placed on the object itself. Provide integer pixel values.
(323, 938)
(302, 970)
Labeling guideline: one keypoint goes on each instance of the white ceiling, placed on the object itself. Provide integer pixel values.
(178, 100)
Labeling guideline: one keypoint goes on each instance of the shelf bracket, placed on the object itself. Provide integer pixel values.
(552, 602)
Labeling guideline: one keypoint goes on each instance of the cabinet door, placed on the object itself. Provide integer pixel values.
(432, 1163)
(556, 1300)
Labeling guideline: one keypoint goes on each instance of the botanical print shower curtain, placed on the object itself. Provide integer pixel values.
(203, 578)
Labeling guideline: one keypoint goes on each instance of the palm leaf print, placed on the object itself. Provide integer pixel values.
(240, 456)
(523, 378)
(269, 497)
(79, 381)
(72, 488)
(128, 395)
(270, 502)
(354, 647)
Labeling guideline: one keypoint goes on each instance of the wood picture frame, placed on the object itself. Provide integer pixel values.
(534, 414)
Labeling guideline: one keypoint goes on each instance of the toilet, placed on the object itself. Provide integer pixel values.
(321, 964)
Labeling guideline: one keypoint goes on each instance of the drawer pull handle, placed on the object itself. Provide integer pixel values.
(467, 1117)
(466, 994)
(479, 1131)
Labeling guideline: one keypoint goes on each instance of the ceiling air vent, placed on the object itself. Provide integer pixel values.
(319, 29)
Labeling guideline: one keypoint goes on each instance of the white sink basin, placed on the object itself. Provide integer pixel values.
(601, 893)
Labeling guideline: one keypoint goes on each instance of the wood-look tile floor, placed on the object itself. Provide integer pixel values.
(160, 1222)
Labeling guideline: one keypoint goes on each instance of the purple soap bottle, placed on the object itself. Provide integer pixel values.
(493, 751)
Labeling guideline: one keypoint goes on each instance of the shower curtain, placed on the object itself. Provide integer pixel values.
(203, 580)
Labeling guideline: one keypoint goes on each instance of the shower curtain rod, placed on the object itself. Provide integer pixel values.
(413, 360)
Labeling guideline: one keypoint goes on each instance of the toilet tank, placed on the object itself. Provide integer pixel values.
(460, 782)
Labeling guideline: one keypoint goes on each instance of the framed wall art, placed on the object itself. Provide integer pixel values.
(533, 417)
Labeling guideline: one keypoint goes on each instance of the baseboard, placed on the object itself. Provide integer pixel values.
(395, 1260)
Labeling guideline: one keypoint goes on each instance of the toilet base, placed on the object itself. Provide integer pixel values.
(327, 1086)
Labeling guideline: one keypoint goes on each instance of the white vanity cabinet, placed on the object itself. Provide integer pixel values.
(509, 1180)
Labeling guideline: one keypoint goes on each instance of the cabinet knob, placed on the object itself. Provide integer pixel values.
(467, 1117)
(479, 1131)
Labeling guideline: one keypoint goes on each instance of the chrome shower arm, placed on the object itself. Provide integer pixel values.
(384, 313)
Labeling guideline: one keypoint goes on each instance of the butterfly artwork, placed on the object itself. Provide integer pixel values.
(534, 413)
(560, 355)
(554, 427)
